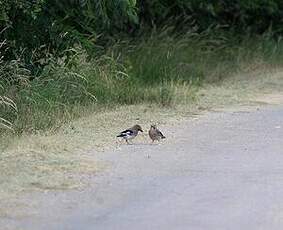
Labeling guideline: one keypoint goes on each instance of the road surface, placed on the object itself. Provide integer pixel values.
(222, 171)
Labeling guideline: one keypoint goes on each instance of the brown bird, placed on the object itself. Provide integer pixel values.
(155, 134)
(130, 133)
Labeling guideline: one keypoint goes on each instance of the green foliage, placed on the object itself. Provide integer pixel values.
(34, 29)
(241, 15)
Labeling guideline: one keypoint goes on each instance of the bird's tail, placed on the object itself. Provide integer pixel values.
(161, 134)
(121, 135)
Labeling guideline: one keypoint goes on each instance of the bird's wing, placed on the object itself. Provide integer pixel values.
(127, 132)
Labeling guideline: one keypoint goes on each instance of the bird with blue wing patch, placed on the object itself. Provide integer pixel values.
(130, 133)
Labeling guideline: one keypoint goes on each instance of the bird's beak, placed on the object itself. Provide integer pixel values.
(141, 130)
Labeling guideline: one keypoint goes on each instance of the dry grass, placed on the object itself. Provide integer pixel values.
(242, 88)
(56, 160)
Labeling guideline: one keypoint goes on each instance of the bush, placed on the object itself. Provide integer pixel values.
(255, 16)
(35, 29)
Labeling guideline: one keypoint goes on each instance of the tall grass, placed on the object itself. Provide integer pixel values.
(159, 69)
(8, 72)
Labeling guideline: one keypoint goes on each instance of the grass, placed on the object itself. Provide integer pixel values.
(159, 69)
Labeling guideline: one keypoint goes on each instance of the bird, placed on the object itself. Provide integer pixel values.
(130, 133)
(155, 134)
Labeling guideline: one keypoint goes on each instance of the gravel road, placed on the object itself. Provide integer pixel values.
(223, 170)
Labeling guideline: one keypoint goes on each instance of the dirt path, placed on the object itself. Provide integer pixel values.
(223, 170)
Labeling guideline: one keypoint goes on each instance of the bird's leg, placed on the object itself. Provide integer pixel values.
(129, 142)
